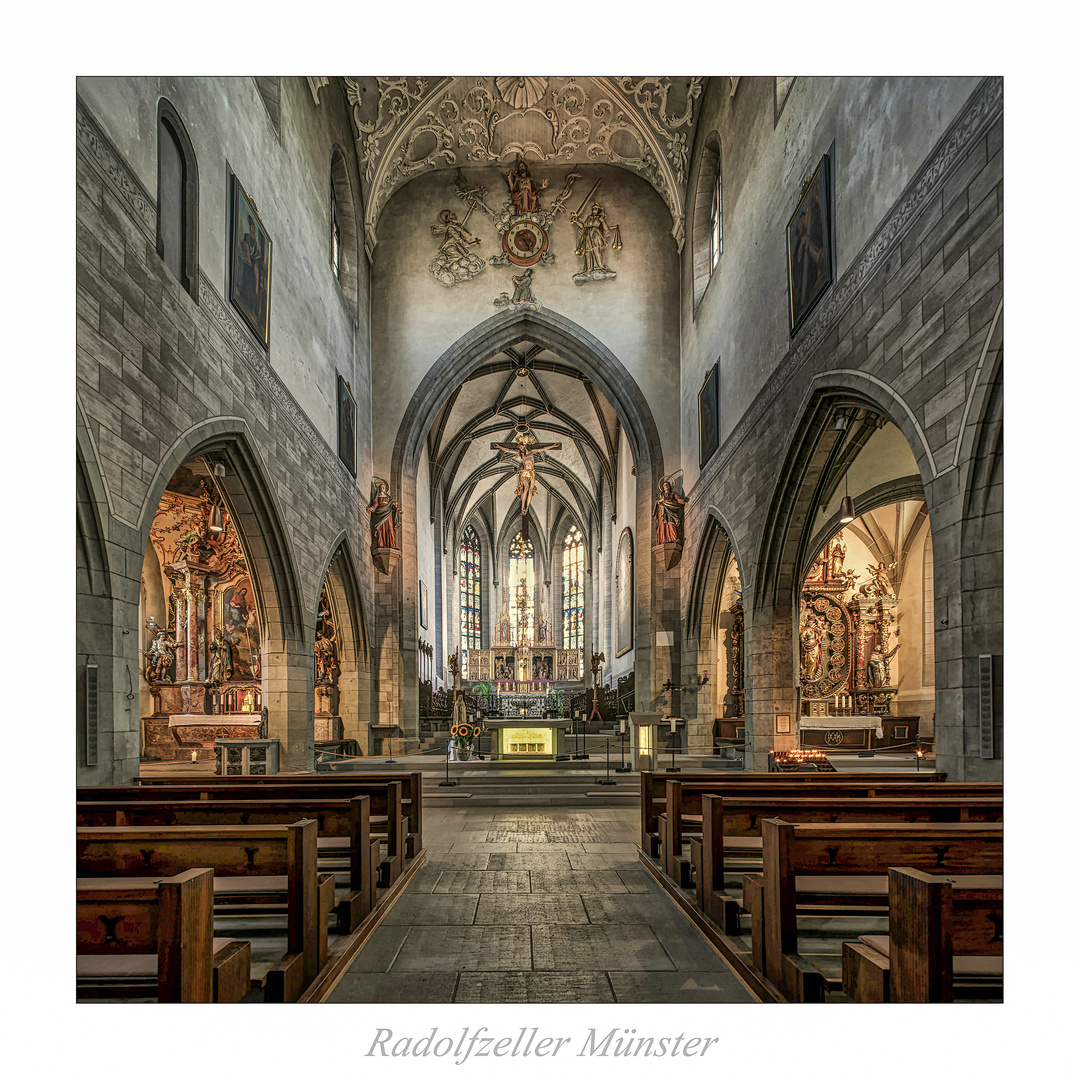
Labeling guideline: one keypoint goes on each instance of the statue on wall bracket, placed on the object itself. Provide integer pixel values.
(668, 513)
(454, 261)
(523, 294)
(385, 522)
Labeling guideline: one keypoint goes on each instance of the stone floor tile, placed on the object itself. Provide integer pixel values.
(598, 948)
(483, 881)
(529, 909)
(638, 880)
(464, 948)
(578, 881)
(532, 846)
(628, 847)
(604, 861)
(632, 908)
(433, 909)
(529, 860)
(634, 987)
(461, 861)
(534, 987)
(417, 988)
(381, 948)
(464, 847)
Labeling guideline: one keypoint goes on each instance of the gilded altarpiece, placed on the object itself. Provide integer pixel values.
(846, 641)
(203, 663)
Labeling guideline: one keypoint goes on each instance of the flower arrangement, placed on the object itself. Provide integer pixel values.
(463, 735)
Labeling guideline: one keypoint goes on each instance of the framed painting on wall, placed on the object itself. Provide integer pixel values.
(346, 425)
(249, 264)
(708, 411)
(808, 245)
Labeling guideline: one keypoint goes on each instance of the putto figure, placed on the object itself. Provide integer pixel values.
(669, 513)
(385, 516)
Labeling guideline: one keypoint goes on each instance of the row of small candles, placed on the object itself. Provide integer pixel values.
(799, 756)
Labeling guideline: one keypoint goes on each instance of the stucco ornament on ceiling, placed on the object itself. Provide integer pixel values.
(407, 125)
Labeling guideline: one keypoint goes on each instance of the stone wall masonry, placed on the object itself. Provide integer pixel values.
(158, 377)
(910, 324)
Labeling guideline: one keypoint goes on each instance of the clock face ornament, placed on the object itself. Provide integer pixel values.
(525, 242)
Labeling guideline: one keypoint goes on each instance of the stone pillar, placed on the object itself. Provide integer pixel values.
(769, 643)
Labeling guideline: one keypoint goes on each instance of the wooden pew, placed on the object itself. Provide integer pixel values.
(686, 796)
(412, 786)
(388, 816)
(142, 937)
(654, 787)
(940, 928)
(286, 852)
(735, 823)
(840, 867)
(343, 824)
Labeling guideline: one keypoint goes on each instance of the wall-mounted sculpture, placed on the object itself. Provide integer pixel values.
(454, 261)
(385, 521)
(593, 233)
(525, 447)
(523, 294)
(668, 514)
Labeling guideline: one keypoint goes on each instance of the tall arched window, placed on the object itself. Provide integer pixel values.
(522, 563)
(573, 579)
(716, 223)
(178, 199)
(335, 234)
(469, 575)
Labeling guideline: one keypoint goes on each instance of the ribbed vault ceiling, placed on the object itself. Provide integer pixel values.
(534, 385)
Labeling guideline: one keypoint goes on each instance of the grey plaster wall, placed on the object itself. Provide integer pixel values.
(879, 129)
(414, 318)
(161, 376)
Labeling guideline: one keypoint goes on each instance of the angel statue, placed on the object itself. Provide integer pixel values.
(385, 516)
(454, 261)
(525, 447)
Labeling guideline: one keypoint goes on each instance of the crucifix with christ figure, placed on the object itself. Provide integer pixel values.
(524, 447)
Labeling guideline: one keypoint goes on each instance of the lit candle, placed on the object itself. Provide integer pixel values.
(622, 725)
(194, 755)
(672, 719)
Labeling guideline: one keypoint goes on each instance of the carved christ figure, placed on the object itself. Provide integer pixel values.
(524, 194)
(525, 447)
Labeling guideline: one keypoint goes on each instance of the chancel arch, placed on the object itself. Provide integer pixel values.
(534, 371)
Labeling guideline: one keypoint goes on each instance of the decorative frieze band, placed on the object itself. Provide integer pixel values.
(982, 108)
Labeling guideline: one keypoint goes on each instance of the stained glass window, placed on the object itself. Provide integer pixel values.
(573, 579)
(469, 583)
(522, 561)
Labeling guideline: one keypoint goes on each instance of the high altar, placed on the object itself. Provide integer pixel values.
(531, 664)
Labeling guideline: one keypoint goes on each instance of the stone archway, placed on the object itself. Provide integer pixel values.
(396, 637)
(286, 646)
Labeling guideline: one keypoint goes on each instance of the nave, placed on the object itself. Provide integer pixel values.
(536, 905)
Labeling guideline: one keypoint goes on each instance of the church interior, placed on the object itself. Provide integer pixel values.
(539, 540)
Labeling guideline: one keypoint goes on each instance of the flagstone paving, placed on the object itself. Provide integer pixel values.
(537, 906)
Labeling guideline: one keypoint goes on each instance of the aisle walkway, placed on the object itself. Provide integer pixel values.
(538, 905)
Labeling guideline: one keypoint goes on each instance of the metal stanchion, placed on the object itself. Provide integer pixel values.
(623, 767)
(607, 762)
(390, 760)
(448, 782)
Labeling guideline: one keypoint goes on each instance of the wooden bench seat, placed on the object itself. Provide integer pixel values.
(730, 829)
(349, 841)
(153, 937)
(814, 855)
(412, 786)
(943, 930)
(285, 852)
(389, 803)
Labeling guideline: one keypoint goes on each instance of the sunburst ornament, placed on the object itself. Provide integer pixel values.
(521, 91)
